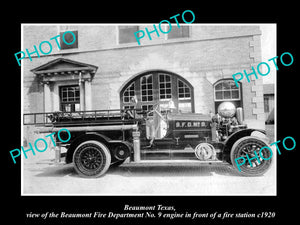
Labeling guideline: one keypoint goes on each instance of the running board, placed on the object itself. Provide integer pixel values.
(153, 151)
(170, 154)
(176, 162)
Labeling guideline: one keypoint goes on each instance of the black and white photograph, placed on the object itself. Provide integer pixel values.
(148, 109)
(139, 115)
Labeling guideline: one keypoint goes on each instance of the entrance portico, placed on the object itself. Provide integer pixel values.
(66, 84)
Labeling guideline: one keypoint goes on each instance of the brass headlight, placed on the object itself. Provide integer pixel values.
(226, 109)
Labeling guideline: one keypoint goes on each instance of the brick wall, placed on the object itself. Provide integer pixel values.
(210, 54)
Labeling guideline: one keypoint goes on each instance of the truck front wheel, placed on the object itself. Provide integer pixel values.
(250, 146)
(91, 159)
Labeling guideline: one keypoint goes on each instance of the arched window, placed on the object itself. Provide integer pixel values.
(158, 87)
(226, 90)
(127, 96)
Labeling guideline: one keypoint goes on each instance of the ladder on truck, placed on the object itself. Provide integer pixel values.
(83, 121)
(83, 118)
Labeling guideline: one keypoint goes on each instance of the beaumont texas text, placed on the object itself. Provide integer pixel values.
(153, 207)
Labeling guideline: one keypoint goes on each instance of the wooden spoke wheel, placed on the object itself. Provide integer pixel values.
(248, 146)
(91, 159)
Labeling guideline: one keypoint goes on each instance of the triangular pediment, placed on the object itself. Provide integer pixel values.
(62, 65)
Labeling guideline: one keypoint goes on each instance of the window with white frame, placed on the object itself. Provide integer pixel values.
(158, 87)
(165, 87)
(69, 98)
(147, 88)
(184, 91)
(226, 90)
(129, 93)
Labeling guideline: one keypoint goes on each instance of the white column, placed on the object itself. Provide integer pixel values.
(82, 99)
(55, 97)
(88, 94)
(47, 98)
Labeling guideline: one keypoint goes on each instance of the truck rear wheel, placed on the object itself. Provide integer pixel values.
(248, 145)
(91, 159)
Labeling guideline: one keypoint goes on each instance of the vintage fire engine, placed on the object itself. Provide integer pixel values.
(106, 138)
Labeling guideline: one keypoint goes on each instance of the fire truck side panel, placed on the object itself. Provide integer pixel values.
(112, 140)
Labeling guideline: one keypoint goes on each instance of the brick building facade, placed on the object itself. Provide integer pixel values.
(192, 65)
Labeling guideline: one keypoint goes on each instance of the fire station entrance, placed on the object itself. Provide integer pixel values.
(158, 87)
(159, 93)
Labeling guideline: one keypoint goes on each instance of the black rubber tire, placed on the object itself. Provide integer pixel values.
(91, 159)
(247, 145)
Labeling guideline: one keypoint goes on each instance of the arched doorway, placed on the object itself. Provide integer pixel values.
(158, 87)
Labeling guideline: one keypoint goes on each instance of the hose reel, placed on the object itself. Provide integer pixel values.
(205, 151)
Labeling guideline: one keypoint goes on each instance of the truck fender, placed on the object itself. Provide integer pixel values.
(234, 137)
(85, 137)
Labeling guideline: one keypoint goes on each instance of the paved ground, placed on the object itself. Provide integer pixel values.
(42, 176)
(47, 178)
